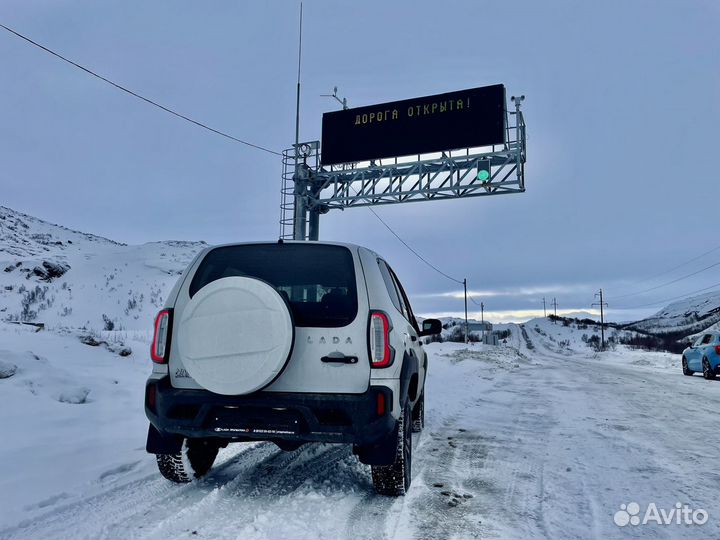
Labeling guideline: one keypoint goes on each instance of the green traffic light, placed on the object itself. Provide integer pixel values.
(483, 175)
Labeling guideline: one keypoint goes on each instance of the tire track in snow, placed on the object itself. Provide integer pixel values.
(125, 503)
(251, 484)
(488, 461)
(250, 502)
(450, 464)
(369, 519)
(286, 473)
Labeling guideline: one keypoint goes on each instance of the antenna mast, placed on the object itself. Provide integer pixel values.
(299, 184)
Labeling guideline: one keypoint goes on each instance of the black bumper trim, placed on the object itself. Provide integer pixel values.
(341, 418)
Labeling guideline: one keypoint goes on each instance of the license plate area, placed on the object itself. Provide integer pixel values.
(260, 421)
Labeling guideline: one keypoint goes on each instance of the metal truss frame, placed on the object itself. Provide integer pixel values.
(451, 175)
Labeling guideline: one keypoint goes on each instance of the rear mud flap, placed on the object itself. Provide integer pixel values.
(383, 452)
(159, 443)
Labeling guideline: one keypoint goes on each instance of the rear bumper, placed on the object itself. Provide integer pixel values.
(343, 418)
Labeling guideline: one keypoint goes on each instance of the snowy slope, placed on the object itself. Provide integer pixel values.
(68, 279)
(689, 316)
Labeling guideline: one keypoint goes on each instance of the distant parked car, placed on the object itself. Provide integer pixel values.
(703, 355)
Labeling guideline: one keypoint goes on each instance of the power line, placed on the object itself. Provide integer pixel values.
(205, 126)
(682, 264)
(404, 243)
(667, 283)
(675, 267)
(135, 94)
(681, 296)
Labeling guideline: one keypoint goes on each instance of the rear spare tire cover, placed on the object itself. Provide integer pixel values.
(235, 335)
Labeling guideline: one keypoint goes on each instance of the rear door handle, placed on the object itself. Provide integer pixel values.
(340, 359)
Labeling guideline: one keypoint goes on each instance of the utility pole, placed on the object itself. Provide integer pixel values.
(466, 321)
(554, 303)
(482, 319)
(544, 310)
(602, 305)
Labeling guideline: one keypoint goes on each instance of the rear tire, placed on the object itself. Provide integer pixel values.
(193, 461)
(686, 370)
(708, 372)
(394, 480)
(418, 415)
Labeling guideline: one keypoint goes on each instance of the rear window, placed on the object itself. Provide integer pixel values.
(318, 281)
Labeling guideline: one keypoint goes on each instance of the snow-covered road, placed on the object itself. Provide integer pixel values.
(519, 443)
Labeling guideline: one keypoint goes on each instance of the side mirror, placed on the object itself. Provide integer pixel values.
(430, 327)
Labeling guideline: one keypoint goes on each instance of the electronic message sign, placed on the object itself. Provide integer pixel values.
(463, 119)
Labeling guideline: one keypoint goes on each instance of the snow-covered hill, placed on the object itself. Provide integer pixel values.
(68, 279)
(685, 317)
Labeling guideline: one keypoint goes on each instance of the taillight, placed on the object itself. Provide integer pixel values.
(160, 343)
(717, 349)
(381, 354)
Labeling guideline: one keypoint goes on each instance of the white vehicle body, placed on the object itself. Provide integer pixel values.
(291, 342)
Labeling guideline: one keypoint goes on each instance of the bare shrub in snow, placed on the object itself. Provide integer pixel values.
(109, 324)
(29, 299)
(457, 334)
(156, 297)
(594, 342)
(133, 302)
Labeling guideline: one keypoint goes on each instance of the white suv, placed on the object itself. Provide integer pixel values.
(290, 342)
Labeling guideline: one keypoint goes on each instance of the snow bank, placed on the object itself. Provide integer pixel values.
(69, 414)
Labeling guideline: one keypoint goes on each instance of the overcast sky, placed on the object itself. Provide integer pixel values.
(622, 112)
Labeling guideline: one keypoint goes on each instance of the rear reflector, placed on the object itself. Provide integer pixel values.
(380, 404)
(717, 349)
(159, 349)
(380, 350)
(151, 396)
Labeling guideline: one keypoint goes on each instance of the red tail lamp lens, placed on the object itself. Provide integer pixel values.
(159, 348)
(380, 353)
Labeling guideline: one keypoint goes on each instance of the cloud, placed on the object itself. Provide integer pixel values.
(512, 291)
